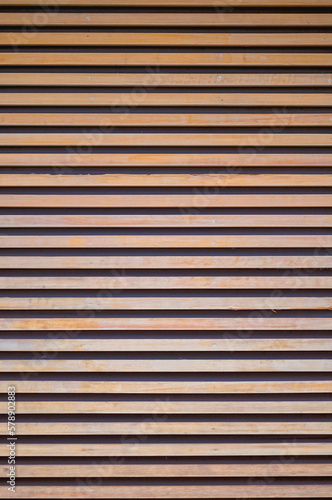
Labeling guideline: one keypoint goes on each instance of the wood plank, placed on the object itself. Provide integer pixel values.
(161, 406)
(163, 99)
(74, 158)
(161, 180)
(185, 201)
(184, 220)
(169, 139)
(225, 449)
(165, 241)
(186, 119)
(119, 281)
(297, 490)
(150, 303)
(161, 387)
(169, 344)
(168, 262)
(164, 365)
(253, 322)
(168, 39)
(147, 427)
(165, 19)
(167, 469)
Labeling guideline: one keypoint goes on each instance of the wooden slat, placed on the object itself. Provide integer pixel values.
(165, 19)
(156, 428)
(278, 118)
(165, 241)
(29, 385)
(163, 99)
(168, 39)
(256, 322)
(162, 180)
(161, 406)
(169, 139)
(166, 365)
(221, 200)
(317, 260)
(167, 469)
(170, 344)
(296, 490)
(174, 220)
(149, 303)
(73, 159)
(225, 59)
(119, 281)
(224, 449)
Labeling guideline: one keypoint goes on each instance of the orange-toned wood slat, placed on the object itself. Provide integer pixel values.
(154, 200)
(243, 159)
(167, 39)
(154, 387)
(134, 99)
(213, 179)
(256, 321)
(221, 119)
(166, 19)
(224, 59)
(174, 220)
(169, 139)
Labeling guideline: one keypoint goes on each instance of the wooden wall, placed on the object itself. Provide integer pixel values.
(165, 172)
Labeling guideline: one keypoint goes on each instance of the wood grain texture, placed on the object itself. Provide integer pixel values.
(165, 19)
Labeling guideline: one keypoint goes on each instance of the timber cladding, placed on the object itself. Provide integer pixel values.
(165, 248)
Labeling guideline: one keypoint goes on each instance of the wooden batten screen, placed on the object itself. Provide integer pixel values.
(166, 246)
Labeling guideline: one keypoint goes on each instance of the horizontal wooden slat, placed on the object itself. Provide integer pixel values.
(165, 241)
(168, 39)
(74, 158)
(167, 469)
(153, 428)
(318, 260)
(119, 281)
(165, 19)
(165, 365)
(253, 322)
(169, 139)
(164, 99)
(170, 387)
(278, 118)
(296, 490)
(174, 180)
(174, 220)
(163, 449)
(170, 344)
(196, 201)
(161, 406)
(166, 302)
